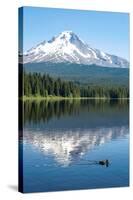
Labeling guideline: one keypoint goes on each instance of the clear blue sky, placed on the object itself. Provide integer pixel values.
(107, 31)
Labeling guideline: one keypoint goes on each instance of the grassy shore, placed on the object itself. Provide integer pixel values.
(41, 98)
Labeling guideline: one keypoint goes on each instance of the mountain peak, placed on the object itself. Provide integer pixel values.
(67, 32)
(68, 47)
(66, 36)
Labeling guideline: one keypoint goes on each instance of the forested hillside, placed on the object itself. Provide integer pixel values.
(37, 84)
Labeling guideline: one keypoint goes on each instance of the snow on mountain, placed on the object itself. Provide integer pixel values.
(69, 48)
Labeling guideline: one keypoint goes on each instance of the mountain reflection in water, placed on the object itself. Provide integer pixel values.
(68, 146)
(67, 130)
(63, 142)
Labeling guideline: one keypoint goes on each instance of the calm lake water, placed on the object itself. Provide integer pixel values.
(64, 140)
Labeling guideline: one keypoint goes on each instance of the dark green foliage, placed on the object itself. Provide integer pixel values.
(105, 92)
(36, 84)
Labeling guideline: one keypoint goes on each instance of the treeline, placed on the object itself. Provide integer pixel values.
(36, 84)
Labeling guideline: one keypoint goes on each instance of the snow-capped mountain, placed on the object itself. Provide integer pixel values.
(69, 48)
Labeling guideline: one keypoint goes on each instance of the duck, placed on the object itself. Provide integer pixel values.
(104, 162)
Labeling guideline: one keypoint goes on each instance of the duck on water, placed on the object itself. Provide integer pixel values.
(94, 162)
(104, 162)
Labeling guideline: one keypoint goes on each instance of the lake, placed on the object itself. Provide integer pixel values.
(64, 140)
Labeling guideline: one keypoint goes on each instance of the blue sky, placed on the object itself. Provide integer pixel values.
(107, 31)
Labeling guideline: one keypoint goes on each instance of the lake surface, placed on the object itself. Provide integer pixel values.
(63, 142)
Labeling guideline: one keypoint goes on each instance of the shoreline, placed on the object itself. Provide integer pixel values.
(39, 98)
